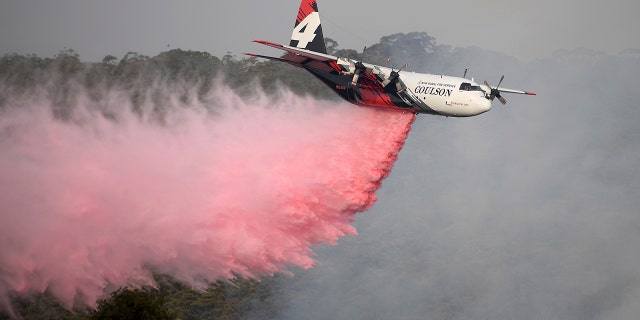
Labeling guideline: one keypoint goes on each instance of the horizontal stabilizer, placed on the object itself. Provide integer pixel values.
(300, 52)
(265, 57)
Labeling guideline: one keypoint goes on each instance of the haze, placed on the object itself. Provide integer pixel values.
(526, 30)
(529, 211)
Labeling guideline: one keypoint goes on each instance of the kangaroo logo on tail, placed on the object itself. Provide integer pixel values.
(307, 32)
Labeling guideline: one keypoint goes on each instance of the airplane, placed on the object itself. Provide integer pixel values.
(371, 85)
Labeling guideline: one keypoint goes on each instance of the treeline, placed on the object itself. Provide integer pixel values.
(170, 300)
(150, 80)
(193, 73)
(24, 72)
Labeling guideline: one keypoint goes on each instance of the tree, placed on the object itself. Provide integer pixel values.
(109, 59)
(126, 303)
(413, 48)
(331, 45)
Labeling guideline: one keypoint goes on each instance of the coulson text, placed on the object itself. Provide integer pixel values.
(433, 91)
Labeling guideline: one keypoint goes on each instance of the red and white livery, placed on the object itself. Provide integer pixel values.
(371, 85)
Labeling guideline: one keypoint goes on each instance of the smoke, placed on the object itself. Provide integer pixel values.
(529, 211)
(216, 189)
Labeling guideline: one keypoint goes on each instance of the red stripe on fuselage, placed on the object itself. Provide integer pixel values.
(372, 92)
(335, 66)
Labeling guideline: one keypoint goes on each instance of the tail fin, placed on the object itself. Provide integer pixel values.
(307, 32)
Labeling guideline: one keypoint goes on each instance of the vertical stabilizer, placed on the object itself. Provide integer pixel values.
(307, 32)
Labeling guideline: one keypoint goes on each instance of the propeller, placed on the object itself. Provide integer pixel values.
(495, 93)
(359, 68)
(394, 77)
(356, 74)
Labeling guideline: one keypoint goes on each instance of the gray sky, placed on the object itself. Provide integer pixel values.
(525, 29)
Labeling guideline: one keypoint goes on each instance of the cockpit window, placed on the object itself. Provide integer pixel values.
(468, 87)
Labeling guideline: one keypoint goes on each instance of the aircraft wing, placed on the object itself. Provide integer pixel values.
(299, 52)
(514, 91)
(266, 57)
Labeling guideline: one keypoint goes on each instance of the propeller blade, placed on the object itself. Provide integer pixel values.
(356, 74)
(495, 93)
(491, 94)
(500, 82)
(399, 87)
(354, 81)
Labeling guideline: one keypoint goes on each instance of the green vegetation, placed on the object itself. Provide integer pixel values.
(170, 300)
(20, 74)
(132, 304)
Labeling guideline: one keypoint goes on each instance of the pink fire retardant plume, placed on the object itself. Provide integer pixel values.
(244, 191)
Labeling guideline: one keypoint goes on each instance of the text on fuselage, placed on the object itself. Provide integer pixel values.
(436, 89)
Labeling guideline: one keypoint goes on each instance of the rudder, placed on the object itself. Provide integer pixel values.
(307, 31)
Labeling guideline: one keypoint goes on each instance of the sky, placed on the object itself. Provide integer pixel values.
(525, 29)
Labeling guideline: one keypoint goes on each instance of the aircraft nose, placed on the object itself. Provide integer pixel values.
(487, 105)
(484, 106)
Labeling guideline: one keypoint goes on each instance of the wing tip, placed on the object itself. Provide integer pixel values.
(268, 43)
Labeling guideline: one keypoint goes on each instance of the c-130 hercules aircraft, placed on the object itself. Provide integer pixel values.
(370, 85)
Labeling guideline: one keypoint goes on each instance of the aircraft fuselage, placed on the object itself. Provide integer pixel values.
(411, 92)
(376, 86)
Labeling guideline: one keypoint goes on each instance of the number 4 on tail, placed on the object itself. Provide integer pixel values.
(305, 31)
